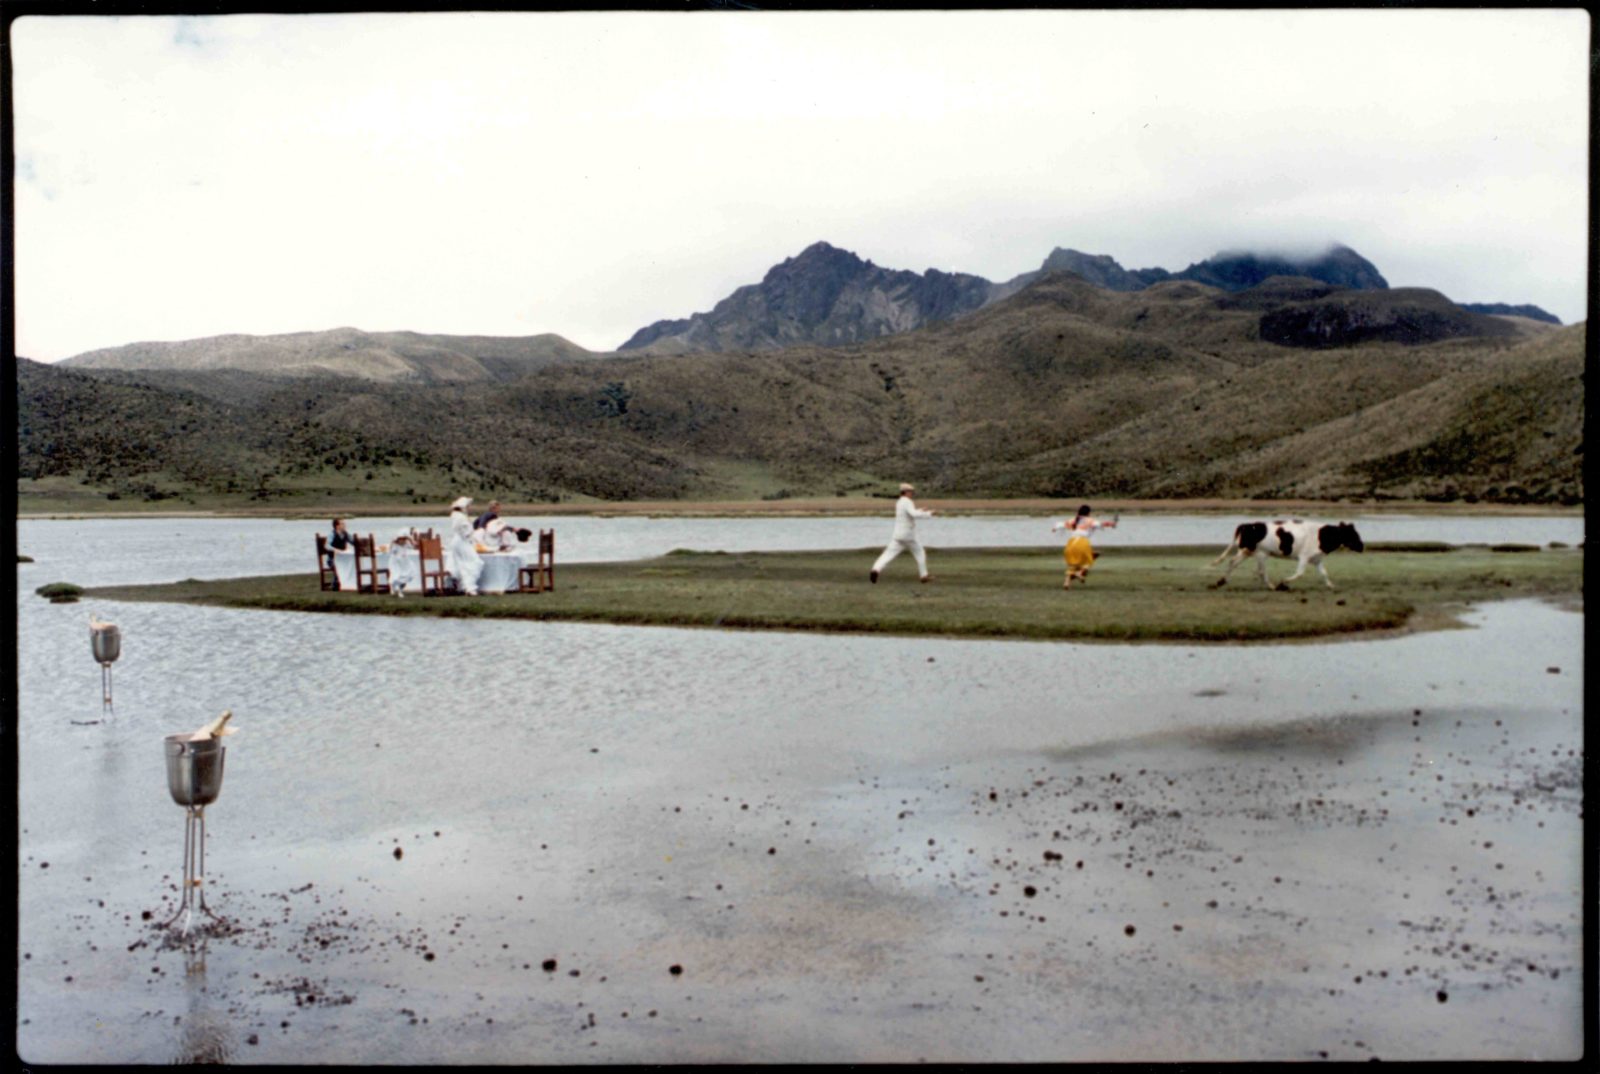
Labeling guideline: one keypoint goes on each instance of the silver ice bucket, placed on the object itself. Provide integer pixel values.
(107, 644)
(194, 770)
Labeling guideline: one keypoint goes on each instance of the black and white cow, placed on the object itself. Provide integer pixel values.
(1308, 542)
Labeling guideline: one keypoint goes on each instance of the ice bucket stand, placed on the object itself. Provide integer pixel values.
(194, 778)
(106, 644)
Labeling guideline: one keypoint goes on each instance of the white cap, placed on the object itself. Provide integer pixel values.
(461, 504)
(906, 486)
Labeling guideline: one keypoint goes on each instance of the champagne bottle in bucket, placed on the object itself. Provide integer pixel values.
(194, 779)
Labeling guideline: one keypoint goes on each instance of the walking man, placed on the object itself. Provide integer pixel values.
(906, 514)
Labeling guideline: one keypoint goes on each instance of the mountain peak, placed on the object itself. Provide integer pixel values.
(823, 295)
(821, 256)
(1102, 270)
(1241, 269)
(829, 296)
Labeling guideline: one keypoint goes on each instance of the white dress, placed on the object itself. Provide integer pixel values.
(461, 558)
(405, 570)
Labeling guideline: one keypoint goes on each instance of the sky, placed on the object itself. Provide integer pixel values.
(589, 173)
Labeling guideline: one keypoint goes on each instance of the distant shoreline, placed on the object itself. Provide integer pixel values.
(843, 508)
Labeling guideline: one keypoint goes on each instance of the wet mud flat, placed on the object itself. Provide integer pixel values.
(1393, 887)
(1399, 881)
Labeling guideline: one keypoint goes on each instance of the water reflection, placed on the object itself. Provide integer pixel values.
(206, 1036)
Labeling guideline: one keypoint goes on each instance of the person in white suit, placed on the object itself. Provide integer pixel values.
(904, 539)
(462, 560)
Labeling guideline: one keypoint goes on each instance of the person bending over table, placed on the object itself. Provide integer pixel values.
(501, 537)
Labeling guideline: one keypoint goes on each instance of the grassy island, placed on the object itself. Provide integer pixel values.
(1133, 594)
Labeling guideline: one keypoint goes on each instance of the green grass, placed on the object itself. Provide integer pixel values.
(1133, 594)
(60, 589)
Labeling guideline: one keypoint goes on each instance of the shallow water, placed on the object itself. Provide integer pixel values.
(804, 822)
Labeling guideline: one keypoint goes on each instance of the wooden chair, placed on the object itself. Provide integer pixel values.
(327, 577)
(370, 578)
(539, 576)
(430, 553)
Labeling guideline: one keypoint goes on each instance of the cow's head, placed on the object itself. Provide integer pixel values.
(1344, 535)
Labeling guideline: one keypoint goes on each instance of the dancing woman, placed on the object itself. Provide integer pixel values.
(1079, 553)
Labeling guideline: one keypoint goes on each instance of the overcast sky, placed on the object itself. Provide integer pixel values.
(587, 174)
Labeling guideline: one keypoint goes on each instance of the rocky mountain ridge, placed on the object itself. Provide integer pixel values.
(825, 296)
(1503, 309)
(1063, 389)
(831, 297)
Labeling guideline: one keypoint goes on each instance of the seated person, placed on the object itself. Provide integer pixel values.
(483, 520)
(338, 541)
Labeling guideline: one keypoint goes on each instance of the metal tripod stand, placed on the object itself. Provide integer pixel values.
(194, 778)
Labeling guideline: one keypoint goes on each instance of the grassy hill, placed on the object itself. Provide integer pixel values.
(380, 356)
(1064, 389)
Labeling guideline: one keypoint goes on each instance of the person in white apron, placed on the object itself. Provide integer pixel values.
(461, 556)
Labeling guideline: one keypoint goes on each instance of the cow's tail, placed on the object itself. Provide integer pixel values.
(1233, 546)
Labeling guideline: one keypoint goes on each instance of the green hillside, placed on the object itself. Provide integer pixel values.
(1064, 389)
(350, 352)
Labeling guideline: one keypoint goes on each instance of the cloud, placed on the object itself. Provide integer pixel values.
(191, 33)
(588, 173)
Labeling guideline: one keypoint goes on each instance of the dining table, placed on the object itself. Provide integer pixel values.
(500, 569)
(500, 572)
(396, 561)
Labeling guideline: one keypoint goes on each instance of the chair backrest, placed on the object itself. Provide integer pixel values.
(327, 577)
(547, 556)
(365, 545)
(430, 547)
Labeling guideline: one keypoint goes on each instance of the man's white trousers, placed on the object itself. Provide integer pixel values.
(898, 545)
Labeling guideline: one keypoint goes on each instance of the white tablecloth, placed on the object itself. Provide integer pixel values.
(499, 572)
(344, 565)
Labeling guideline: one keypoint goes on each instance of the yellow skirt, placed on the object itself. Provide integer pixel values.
(1078, 553)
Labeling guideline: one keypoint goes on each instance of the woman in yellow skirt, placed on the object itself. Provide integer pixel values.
(1079, 553)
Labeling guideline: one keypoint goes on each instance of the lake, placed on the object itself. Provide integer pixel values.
(839, 841)
(168, 550)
